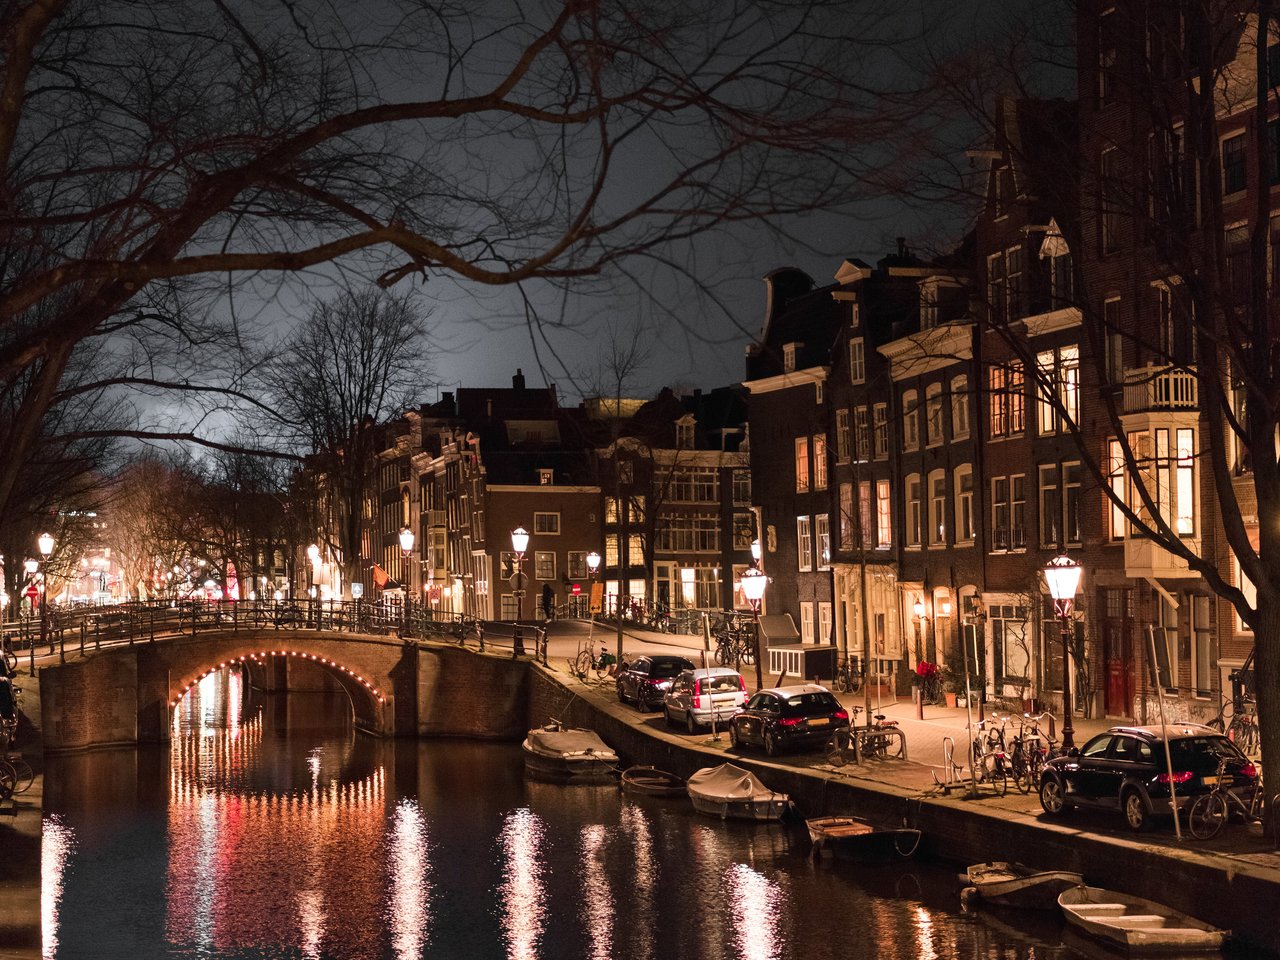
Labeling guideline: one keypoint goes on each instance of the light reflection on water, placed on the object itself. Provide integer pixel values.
(243, 839)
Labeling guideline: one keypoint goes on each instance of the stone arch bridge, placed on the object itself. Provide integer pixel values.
(126, 693)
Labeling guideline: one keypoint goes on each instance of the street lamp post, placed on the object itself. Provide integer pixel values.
(753, 583)
(1062, 575)
(313, 555)
(45, 543)
(406, 547)
(519, 544)
(593, 567)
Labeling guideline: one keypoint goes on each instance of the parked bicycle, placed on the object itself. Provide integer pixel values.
(848, 678)
(1212, 810)
(585, 662)
(882, 740)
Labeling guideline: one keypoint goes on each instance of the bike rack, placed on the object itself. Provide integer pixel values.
(951, 773)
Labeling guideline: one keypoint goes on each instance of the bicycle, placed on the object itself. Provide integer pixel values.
(1211, 810)
(848, 678)
(989, 761)
(585, 662)
(17, 773)
(882, 740)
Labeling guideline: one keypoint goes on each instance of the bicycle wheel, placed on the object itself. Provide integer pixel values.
(23, 775)
(994, 775)
(841, 681)
(1020, 773)
(724, 653)
(1207, 816)
(873, 745)
(7, 779)
(747, 653)
(581, 664)
(840, 748)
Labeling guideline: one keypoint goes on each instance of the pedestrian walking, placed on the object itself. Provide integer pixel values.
(548, 601)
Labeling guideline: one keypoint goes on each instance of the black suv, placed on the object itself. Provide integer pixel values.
(646, 680)
(785, 716)
(1125, 769)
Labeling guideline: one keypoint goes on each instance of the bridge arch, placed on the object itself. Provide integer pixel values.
(368, 700)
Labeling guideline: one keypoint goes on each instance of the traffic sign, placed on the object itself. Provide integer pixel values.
(32, 591)
(577, 589)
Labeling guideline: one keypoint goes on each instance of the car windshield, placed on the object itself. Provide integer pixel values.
(722, 684)
(664, 669)
(810, 704)
(1193, 753)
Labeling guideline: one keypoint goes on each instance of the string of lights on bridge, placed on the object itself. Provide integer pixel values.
(263, 654)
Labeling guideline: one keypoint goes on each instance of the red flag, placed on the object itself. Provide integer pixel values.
(380, 576)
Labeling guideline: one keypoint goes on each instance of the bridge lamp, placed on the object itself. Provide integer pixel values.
(406, 547)
(45, 543)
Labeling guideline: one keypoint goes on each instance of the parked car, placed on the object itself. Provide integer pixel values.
(1125, 769)
(698, 695)
(786, 717)
(646, 680)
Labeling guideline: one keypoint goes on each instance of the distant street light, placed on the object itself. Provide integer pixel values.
(313, 555)
(753, 583)
(45, 543)
(519, 544)
(1062, 575)
(406, 547)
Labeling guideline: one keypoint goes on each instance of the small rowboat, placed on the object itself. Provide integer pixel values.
(1014, 885)
(855, 839)
(1137, 925)
(652, 782)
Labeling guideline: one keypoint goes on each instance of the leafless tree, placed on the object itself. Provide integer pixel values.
(352, 364)
(157, 155)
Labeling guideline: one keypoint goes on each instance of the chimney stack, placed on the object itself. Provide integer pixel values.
(517, 382)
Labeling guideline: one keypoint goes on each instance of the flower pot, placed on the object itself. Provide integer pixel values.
(950, 698)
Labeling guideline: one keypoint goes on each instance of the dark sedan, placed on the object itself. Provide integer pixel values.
(1125, 769)
(786, 717)
(646, 680)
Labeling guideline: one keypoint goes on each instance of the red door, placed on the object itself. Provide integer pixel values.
(1118, 656)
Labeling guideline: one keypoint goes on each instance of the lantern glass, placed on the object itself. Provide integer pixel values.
(520, 540)
(1062, 575)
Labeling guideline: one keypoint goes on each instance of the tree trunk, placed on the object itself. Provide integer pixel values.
(1266, 688)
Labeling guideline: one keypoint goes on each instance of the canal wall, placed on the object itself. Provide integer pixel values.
(1226, 891)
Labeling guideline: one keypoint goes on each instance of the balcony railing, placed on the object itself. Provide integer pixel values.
(1009, 538)
(1153, 388)
(437, 518)
(1145, 558)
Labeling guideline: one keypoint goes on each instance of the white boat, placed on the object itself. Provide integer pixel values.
(729, 791)
(572, 754)
(1137, 925)
(1014, 885)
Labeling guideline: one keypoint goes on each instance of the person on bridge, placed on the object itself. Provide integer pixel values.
(548, 602)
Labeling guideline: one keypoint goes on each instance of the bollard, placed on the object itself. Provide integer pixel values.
(82, 638)
(517, 642)
(480, 634)
(918, 695)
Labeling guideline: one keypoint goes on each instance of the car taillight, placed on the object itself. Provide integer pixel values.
(742, 684)
(840, 715)
(1182, 776)
(1249, 770)
(697, 694)
(790, 721)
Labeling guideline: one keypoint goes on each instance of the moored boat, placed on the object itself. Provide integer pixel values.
(855, 839)
(1137, 925)
(1015, 885)
(728, 791)
(652, 782)
(572, 754)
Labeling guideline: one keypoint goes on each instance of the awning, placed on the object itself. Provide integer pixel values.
(778, 628)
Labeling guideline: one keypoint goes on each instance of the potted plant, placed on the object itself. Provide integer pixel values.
(926, 679)
(952, 684)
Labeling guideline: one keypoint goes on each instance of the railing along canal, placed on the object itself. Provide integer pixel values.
(146, 621)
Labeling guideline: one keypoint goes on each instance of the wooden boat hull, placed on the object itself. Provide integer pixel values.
(652, 782)
(1135, 925)
(772, 808)
(1014, 885)
(852, 839)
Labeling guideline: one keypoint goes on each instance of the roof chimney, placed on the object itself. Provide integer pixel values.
(517, 382)
(902, 246)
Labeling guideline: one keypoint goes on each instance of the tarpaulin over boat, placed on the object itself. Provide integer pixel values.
(727, 782)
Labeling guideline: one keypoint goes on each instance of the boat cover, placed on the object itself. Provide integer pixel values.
(569, 743)
(727, 782)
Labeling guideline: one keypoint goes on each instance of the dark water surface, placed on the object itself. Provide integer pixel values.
(265, 831)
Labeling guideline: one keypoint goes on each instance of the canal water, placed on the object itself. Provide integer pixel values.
(265, 830)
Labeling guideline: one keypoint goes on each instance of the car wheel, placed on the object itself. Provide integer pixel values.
(771, 745)
(642, 701)
(1053, 797)
(666, 716)
(733, 736)
(622, 693)
(689, 723)
(1135, 810)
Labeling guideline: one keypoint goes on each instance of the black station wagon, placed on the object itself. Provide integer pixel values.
(1125, 769)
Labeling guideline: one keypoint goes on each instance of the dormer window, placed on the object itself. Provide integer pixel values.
(789, 357)
(546, 477)
(685, 433)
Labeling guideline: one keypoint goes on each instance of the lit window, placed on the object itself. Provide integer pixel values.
(802, 464)
(822, 527)
(804, 544)
(884, 515)
(819, 462)
(937, 508)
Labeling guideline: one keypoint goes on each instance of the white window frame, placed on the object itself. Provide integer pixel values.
(933, 414)
(857, 360)
(801, 461)
(820, 461)
(964, 527)
(884, 515)
(544, 562)
(937, 534)
(542, 528)
(913, 511)
(844, 435)
(910, 420)
(804, 544)
(806, 621)
(960, 408)
(822, 532)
